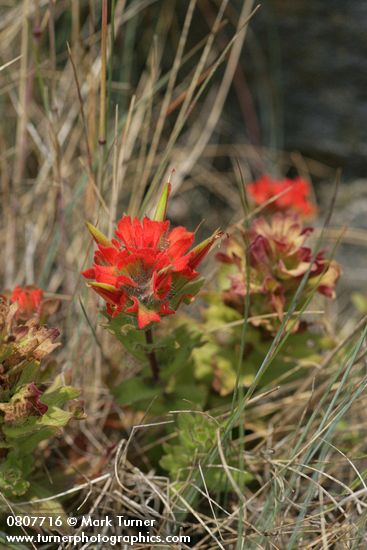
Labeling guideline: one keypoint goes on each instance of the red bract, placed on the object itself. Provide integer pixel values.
(28, 299)
(148, 269)
(294, 194)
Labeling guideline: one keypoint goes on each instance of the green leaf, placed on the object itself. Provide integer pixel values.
(196, 434)
(196, 437)
(12, 478)
(24, 436)
(97, 235)
(59, 396)
(127, 333)
(27, 444)
(160, 213)
(182, 287)
(54, 417)
(136, 390)
(16, 430)
(29, 374)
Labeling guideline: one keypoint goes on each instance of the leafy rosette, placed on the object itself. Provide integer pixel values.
(148, 270)
(277, 259)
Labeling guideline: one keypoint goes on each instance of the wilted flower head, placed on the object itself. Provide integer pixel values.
(148, 269)
(294, 194)
(278, 259)
(21, 343)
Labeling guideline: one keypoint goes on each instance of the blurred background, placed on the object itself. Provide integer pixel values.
(313, 57)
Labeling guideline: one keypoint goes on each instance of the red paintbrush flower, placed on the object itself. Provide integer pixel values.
(29, 300)
(294, 194)
(148, 269)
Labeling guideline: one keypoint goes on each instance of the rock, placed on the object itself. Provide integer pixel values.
(319, 78)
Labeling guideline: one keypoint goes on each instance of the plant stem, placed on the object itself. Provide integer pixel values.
(102, 97)
(151, 355)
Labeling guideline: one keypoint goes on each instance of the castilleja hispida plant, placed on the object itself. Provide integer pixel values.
(278, 259)
(148, 269)
(34, 401)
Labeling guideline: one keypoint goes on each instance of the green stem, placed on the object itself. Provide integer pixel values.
(151, 355)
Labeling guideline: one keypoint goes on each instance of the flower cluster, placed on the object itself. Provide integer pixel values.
(277, 260)
(285, 194)
(28, 299)
(32, 304)
(148, 269)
